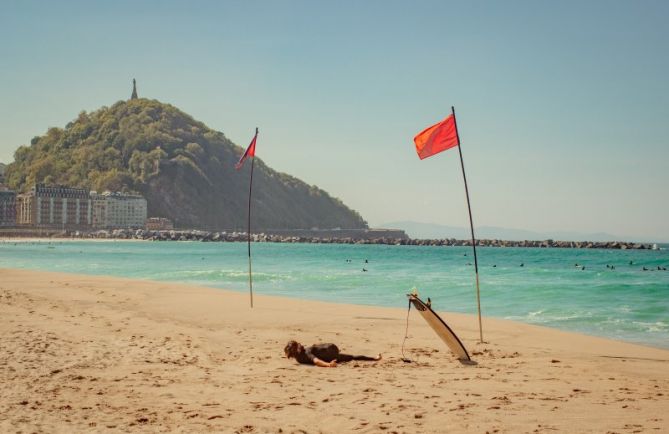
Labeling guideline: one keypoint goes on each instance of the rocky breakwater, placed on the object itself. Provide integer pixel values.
(207, 236)
(621, 245)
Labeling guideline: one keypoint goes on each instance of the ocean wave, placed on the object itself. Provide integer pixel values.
(217, 275)
(655, 327)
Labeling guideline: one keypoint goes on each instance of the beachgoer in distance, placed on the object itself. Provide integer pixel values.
(323, 355)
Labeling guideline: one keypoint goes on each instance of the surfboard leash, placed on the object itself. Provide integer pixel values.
(406, 335)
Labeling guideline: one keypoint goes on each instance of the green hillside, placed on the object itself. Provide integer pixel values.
(184, 169)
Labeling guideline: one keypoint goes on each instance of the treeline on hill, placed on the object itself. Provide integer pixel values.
(184, 169)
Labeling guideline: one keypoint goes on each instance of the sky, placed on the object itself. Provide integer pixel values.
(562, 107)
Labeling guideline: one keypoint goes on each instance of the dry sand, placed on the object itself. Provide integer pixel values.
(83, 353)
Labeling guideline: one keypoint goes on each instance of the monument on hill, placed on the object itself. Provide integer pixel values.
(134, 89)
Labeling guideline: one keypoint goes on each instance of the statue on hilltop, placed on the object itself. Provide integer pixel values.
(134, 89)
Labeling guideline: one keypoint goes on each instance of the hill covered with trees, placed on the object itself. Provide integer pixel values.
(184, 169)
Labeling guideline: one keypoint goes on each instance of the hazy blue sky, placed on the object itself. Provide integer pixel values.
(563, 107)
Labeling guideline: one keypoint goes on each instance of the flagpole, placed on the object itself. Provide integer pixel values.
(471, 225)
(248, 228)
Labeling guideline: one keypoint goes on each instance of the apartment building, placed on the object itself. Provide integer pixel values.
(73, 208)
(54, 207)
(118, 210)
(7, 208)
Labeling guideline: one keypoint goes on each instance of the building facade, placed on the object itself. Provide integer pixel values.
(77, 208)
(119, 210)
(54, 207)
(24, 209)
(159, 224)
(99, 213)
(7, 208)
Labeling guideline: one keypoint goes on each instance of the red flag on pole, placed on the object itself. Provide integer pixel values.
(439, 137)
(250, 152)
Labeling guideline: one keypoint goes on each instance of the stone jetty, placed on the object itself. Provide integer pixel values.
(207, 236)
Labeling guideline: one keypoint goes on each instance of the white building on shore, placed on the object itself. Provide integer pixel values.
(118, 210)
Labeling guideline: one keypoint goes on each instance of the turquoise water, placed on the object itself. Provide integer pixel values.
(626, 303)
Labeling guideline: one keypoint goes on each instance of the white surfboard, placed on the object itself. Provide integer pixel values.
(441, 328)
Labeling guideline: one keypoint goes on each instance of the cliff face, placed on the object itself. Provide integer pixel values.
(184, 169)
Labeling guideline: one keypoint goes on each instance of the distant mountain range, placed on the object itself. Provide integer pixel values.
(434, 231)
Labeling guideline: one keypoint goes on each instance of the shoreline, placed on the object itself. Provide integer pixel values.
(316, 299)
(93, 353)
(472, 317)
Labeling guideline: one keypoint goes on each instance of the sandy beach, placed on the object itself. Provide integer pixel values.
(86, 354)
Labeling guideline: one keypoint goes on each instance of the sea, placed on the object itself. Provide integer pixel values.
(619, 294)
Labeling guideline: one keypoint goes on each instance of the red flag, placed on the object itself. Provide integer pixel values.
(250, 152)
(437, 138)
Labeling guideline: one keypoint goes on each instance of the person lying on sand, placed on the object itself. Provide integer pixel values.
(323, 355)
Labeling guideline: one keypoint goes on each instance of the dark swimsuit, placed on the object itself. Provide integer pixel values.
(327, 353)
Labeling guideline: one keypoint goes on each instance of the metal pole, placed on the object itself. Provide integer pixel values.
(471, 225)
(248, 226)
